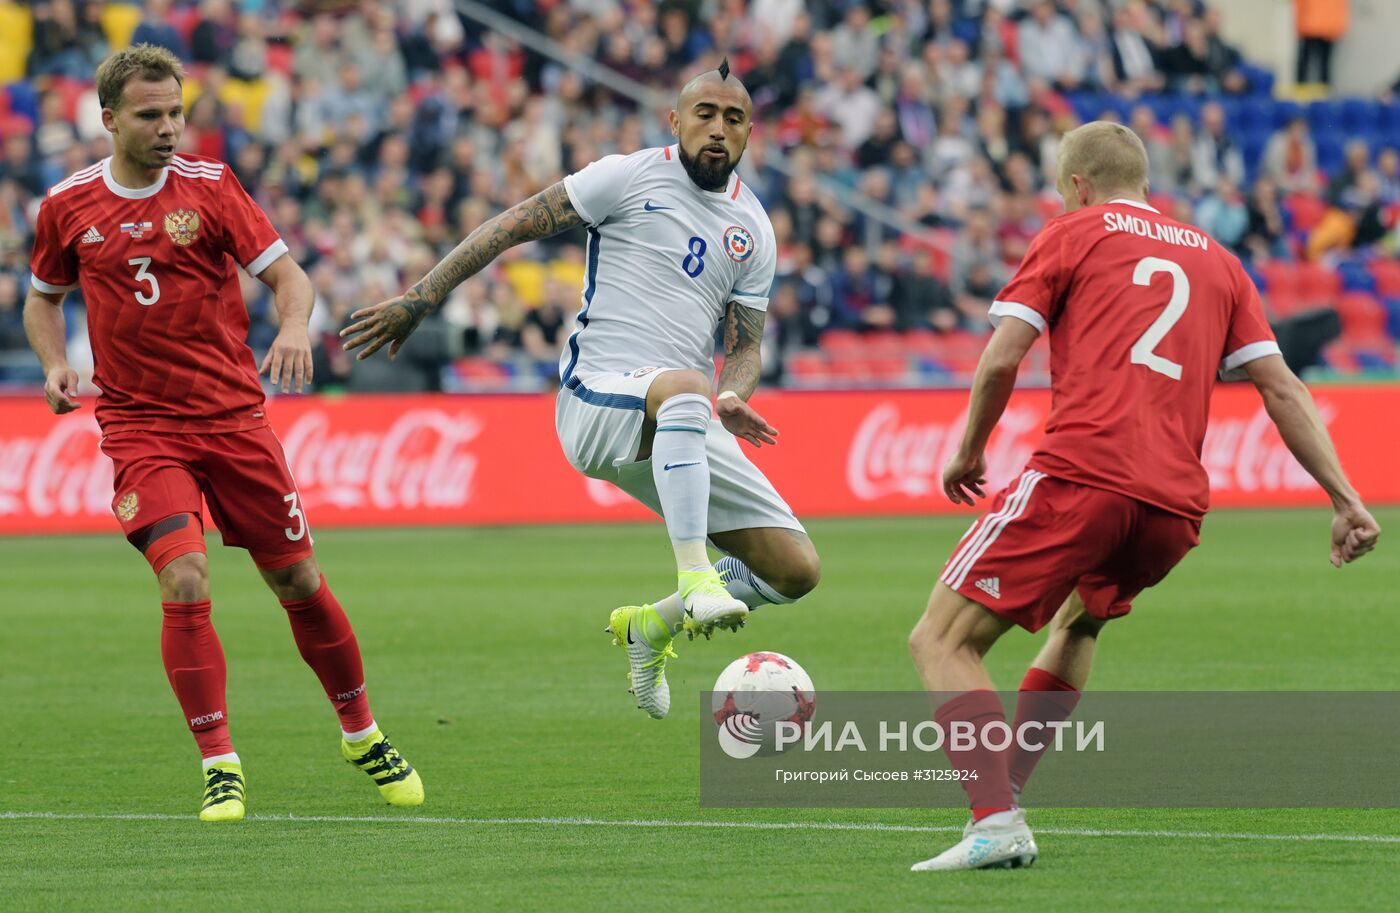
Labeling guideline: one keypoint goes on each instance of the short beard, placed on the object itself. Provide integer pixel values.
(705, 175)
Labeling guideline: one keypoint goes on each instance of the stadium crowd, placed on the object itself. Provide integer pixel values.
(377, 135)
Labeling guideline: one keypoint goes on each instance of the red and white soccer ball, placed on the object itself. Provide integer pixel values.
(756, 692)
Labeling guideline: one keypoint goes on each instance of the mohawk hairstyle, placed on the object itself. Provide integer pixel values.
(724, 68)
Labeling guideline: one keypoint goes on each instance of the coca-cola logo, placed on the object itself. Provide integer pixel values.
(893, 456)
(1246, 454)
(62, 474)
(421, 460)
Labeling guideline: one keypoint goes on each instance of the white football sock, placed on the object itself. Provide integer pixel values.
(681, 470)
(672, 611)
(746, 586)
(209, 762)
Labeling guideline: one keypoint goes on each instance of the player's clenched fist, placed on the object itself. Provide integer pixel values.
(388, 322)
(1354, 533)
(60, 389)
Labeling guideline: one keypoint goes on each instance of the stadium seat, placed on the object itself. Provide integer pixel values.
(1285, 302)
(841, 341)
(1356, 278)
(1360, 115)
(1280, 276)
(1338, 356)
(884, 343)
(1324, 116)
(808, 369)
(1284, 111)
(482, 373)
(1363, 317)
(1386, 272)
(1305, 210)
(119, 22)
(1392, 317)
(24, 101)
(1318, 284)
(16, 39)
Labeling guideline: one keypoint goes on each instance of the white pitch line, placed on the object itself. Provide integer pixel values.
(734, 825)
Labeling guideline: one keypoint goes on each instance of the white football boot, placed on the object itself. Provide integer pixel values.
(987, 846)
(708, 605)
(642, 632)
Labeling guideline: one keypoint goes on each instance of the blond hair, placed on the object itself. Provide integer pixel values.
(144, 61)
(1109, 156)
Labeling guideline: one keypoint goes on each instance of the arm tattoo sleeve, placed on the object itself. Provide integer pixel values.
(544, 215)
(743, 335)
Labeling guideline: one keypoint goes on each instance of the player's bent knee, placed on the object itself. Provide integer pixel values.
(300, 580)
(166, 540)
(799, 576)
(185, 578)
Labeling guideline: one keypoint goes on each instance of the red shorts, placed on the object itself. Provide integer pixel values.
(242, 475)
(1045, 537)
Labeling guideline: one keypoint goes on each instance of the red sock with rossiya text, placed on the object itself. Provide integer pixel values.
(327, 643)
(194, 663)
(990, 791)
(1044, 698)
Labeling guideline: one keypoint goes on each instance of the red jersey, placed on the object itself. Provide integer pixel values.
(1144, 312)
(166, 317)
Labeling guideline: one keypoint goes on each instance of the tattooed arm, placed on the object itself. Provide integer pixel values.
(743, 336)
(544, 215)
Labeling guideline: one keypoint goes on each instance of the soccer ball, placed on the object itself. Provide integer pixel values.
(753, 694)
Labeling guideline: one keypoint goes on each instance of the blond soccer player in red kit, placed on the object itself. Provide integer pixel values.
(1143, 313)
(152, 238)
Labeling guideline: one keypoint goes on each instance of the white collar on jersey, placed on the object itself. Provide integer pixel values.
(127, 192)
(1137, 204)
(728, 187)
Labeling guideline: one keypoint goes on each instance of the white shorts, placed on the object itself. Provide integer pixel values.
(599, 421)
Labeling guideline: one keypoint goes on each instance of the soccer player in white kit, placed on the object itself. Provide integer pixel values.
(677, 247)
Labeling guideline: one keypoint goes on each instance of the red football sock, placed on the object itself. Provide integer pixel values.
(327, 643)
(194, 663)
(990, 792)
(1044, 698)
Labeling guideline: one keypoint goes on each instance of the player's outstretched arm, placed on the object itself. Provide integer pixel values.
(1290, 405)
(544, 215)
(743, 361)
(44, 324)
(966, 473)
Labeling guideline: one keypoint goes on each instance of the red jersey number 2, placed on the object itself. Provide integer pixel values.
(1142, 351)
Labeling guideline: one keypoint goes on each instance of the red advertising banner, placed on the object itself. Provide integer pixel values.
(437, 460)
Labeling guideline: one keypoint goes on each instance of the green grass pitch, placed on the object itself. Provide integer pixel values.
(488, 667)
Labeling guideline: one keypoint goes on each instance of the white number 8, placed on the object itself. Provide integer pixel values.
(1142, 353)
(143, 274)
(295, 513)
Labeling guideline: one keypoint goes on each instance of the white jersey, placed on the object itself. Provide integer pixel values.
(665, 258)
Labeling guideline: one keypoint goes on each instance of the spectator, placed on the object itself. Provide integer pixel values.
(854, 44)
(1320, 24)
(1268, 228)
(1222, 212)
(1217, 156)
(851, 105)
(1049, 47)
(1290, 158)
(213, 38)
(155, 28)
(1134, 53)
(1355, 162)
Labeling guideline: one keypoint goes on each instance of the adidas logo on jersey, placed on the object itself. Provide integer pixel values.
(92, 236)
(991, 586)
